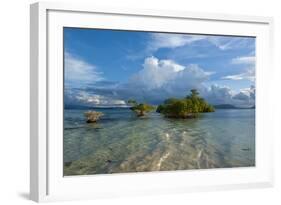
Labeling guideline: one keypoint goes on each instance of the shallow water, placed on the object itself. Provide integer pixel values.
(121, 142)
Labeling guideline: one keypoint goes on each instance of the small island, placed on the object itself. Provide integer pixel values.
(92, 116)
(141, 109)
(188, 107)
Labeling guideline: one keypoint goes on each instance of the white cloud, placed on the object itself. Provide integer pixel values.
(163, 40)
(224, 95)
(244, 60)
(166, 73)
(227, 42)
(219, 94)
(246, 96)
(241, 96)
(79, 72)
(98, 100)
(249, 74)
(222, 43)
(249, 70)
(175, 41)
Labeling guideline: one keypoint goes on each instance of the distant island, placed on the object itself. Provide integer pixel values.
(188, 107)
(229, 106)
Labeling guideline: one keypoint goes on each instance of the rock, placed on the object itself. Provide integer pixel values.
(92, 116)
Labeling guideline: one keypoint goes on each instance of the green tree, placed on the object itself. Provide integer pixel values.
(160, 108)
(187, 107)
(142, 108)
(175, 109)
(132, 102)
(194, 94)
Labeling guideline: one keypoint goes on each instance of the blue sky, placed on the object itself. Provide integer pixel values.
(107, 67)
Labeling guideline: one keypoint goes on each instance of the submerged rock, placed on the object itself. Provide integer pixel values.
(92, 116)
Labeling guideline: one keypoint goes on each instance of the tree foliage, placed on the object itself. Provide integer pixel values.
(190, 106)
(140, 108)
(132, 102)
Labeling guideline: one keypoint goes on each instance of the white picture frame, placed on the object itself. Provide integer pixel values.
(46, 179)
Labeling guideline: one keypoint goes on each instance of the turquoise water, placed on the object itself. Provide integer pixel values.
(121, 142)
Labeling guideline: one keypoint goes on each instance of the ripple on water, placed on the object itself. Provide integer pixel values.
(156, 143)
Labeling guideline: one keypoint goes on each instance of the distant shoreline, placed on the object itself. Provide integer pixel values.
(71, 107)
(229, 106)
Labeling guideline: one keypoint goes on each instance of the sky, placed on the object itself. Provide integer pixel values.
(109, 67)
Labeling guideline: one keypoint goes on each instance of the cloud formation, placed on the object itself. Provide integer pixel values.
(163, 40)
(166, 40)
(161, 73)
(248, 60)
(246, 96)
(248, 72)
(99, 100)
(156, 81)
(224, 95)
(228, 43)
(82, 97)
(79, 72)
(161, 79)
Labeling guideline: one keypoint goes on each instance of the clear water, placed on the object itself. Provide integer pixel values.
(121, 142)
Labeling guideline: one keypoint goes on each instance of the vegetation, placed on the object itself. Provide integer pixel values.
(132, 102)
(92, 116)
(187, 107)
(140, 108)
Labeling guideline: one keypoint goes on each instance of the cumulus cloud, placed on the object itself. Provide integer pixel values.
(224, 95)
(219, 94)
(241, 96)
(79, 72)
(246, 96)
(159, 79)
(158, 73)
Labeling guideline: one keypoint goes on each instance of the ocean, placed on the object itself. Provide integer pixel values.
(121, 142)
